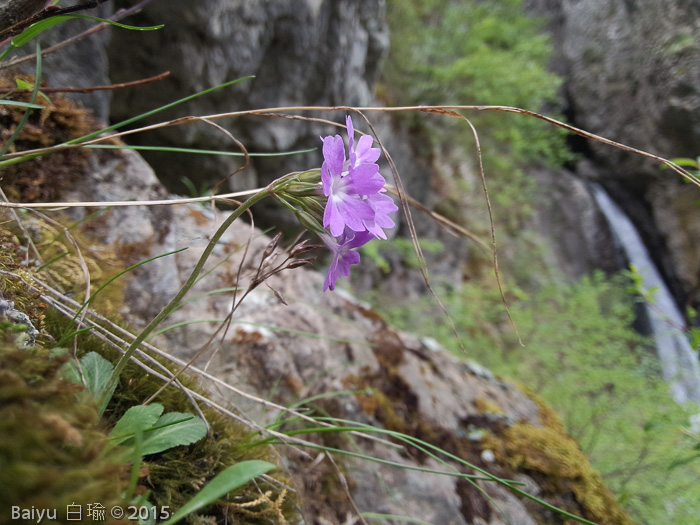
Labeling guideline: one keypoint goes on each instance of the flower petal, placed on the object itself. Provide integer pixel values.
(334, 154)
(351, 134)
(365, 153)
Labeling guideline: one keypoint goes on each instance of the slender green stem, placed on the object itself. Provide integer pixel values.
(172, 305)
(121, 124)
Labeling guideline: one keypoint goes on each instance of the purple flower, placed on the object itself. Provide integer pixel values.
(357, 208)
(382, 205)
(345, 189)
(364, 154)
(343, 254)
(353, 185)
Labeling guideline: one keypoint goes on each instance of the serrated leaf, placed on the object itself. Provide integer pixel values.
(173, 430)
(137, 418)
(224, 482)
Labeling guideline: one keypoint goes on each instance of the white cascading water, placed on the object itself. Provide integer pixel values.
(679, 362)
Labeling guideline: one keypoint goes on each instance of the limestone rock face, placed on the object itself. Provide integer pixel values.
(308, 52)
(631, 70)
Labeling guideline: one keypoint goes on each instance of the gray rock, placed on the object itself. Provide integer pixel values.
(631, 71)
(319, 343)
(309, 52)
(574, 232)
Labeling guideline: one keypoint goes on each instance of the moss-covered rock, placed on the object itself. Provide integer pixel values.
(544, 451)
(51, 442)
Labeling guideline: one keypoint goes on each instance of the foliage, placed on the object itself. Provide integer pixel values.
(143, 428)
(582, 356)
(402, 248)
(473, 52)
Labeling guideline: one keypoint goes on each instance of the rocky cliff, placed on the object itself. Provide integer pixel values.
(631, 70)
(318, 345)
(300, 53)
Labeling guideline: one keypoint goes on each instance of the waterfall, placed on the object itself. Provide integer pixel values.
(679, 362)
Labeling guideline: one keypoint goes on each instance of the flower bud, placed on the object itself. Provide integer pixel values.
(308, 221)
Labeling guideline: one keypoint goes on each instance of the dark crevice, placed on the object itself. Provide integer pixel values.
(630, 194)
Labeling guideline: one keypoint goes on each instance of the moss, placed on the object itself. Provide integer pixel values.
(43, 178)
(15, 277)
(556, 462)
(61, 264)
(51, 448)
(51, 440)
(557, 456)
(486, 406)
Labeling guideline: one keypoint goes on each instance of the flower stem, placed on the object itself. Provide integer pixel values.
(172, 305)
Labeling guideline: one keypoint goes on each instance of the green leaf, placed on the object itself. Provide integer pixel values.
(38, 28)
(137, 418)
(173, 430)
(96, 371)
(160, 431)
(684, 161)
(226, 481)
(20, 104)
(23, 84)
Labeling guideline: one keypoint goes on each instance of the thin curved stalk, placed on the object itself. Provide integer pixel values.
(172, 305)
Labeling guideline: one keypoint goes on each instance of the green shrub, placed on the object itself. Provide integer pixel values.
(474, 52)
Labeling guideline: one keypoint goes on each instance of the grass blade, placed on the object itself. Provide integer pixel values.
(154, 111)
(195, 151)
(226, 481)
(27, 105)
(121, 124)
(38, 28)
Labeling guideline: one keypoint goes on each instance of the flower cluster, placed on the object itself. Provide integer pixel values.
(357, 208)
